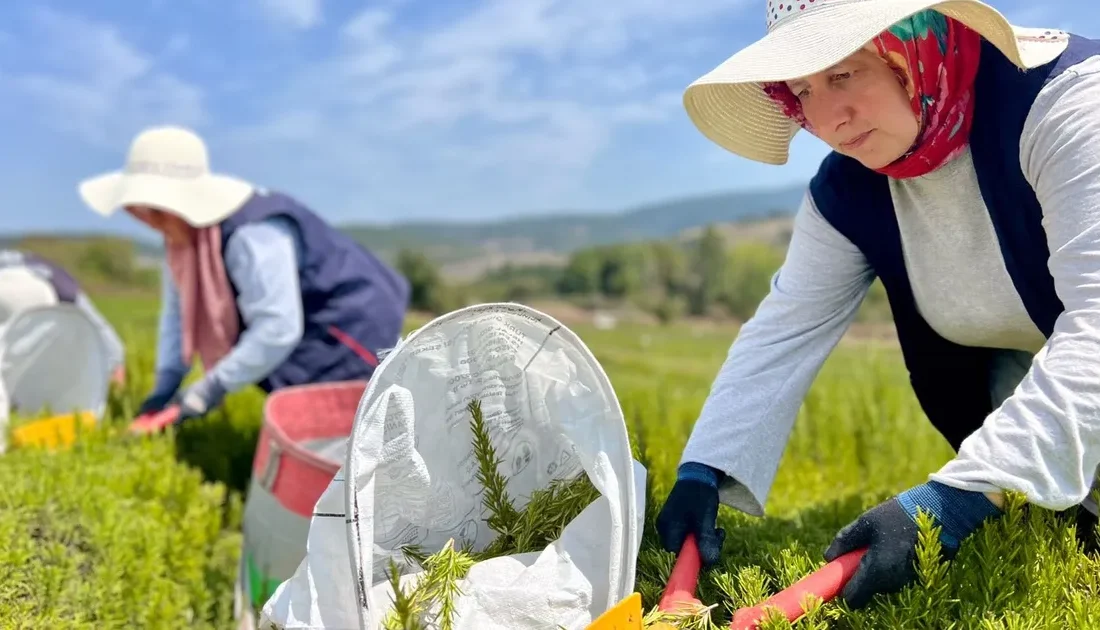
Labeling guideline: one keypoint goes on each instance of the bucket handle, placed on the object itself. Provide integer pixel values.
(271, 466)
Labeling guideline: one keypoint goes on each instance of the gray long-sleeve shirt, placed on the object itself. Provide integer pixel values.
(1044, 438)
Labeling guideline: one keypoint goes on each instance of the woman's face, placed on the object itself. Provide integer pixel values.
(860, 108)
(176, 231)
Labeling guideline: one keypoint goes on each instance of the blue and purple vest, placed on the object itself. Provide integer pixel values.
(950, 380)
(353, 303)
(64, 285)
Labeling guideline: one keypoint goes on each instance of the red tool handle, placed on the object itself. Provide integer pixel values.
(684, 577)
(152, 422)
(826, 583)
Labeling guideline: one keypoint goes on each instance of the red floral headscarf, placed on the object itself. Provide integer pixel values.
(936, 59)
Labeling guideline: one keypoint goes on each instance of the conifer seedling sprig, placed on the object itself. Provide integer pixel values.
(405, 613)
(437, 590)
(502, 512)
(541, 521)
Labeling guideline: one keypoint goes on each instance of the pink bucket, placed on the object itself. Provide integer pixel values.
(302, 445)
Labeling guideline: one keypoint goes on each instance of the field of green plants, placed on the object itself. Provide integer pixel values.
(121, 532)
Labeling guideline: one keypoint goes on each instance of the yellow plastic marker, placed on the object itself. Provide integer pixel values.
(626, 615)
(51, 432)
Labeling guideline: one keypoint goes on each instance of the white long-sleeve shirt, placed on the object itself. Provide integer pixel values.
(1044, 438)
(262, 260)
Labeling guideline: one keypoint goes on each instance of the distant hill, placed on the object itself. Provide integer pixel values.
(566, 232)
(470, 248)
(99, 262)
(38, 241)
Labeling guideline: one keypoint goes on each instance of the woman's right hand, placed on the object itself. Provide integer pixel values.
(692, 508)
(164, 390)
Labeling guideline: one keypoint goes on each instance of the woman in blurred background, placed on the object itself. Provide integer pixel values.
(28, 281)
(255, 284)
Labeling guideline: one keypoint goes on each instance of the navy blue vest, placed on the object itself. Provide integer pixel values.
(353, 303)
(64, 285)
(951, 381)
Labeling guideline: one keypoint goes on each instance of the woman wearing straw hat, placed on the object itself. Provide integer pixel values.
(965, 174)
(255, 284)
(28, 280)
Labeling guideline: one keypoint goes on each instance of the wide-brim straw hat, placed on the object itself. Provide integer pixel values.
(729, 106)
(168, 168)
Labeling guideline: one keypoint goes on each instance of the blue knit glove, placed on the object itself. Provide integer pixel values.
(692, 507)
(166, 385)
(889, 531)
(201, 398)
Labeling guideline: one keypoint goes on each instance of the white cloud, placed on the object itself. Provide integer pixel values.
(519, 93)
(298, 14)
(98, 85)
(657, 109)
(177, 46)
(557, 28)
(96, 51)
(367, 26)
(516, 97)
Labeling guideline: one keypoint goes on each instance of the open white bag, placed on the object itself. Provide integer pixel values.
(410, 478)
(52, 356)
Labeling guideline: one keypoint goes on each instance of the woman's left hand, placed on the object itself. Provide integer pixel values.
(889, 532)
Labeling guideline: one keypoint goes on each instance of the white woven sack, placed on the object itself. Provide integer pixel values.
(51, 356)
(409, 478)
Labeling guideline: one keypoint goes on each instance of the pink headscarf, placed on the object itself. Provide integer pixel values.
(210, 322)
(936, 59)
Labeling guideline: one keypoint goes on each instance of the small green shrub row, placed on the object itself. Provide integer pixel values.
(121, 532)
(859, 439)
(114, 533)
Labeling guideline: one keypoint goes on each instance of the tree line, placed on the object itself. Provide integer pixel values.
(705, 276)
(702, 277)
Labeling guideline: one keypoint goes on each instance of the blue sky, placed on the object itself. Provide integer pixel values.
(386, 110)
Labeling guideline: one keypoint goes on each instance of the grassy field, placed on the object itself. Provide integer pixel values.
(122, 533)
